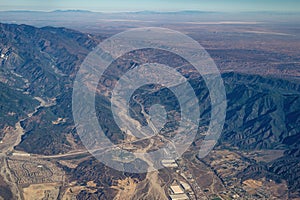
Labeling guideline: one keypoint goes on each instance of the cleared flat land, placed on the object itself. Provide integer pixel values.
(48, 191)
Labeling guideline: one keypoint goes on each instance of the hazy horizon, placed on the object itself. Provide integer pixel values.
(154, 5)
(154, 11)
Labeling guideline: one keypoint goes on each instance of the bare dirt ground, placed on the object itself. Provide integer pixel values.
(47, 191)
(71, 193)
(253, 183)
(73, 190)
(126, 189)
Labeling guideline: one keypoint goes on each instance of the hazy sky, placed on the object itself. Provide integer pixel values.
(155, 5)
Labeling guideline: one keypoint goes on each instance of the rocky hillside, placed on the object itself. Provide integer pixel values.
(40, 62)
(263, 112)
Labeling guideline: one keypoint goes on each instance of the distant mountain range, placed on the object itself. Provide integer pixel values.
(133, 12)
(186, 12)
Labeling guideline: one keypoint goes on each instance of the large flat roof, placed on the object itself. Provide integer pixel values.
(176, 189)
(179, 197)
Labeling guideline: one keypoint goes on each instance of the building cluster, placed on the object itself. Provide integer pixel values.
(179, 191)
